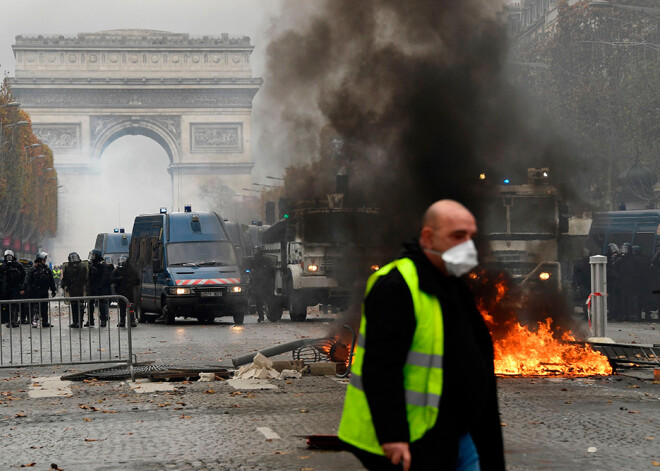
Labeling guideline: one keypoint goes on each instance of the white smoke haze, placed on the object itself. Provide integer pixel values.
(133, 180)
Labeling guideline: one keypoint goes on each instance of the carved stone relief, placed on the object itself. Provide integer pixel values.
(58, 136)
(216, 137)
(195, 98)
(171, 123)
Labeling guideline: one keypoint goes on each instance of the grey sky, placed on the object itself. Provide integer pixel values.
(197, 17)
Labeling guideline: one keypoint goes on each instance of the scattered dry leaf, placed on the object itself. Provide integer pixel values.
(209, 391)
(633, 412)
(183, 416)
(20, 415)
(85, 419)
(29, 465)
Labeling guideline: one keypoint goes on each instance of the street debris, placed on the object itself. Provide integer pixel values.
(262, 368)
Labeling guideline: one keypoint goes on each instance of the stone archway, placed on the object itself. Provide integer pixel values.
(191, 95)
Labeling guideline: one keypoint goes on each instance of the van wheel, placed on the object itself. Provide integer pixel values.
(272, 308)
(168, 316)
(142, 317)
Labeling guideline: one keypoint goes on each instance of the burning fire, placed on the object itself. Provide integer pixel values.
(520, 350)
(528, 353)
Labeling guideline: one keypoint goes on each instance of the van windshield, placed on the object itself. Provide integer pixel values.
(210, 253)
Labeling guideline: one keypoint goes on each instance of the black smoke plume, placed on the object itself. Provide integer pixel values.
(418, 93)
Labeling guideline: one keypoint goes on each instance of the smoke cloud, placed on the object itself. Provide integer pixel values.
(132, 180)
(419, 96)
(418, 92)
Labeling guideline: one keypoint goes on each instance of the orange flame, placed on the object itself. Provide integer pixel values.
(528, 353)
(522, 351)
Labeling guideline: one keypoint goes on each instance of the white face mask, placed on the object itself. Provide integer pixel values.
(460, 259)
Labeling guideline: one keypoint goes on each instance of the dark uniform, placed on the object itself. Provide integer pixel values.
(641, 283)
(581, 281)
(12, 279)
(624, 270)
(25, 307)
(123, 283)
(39, 281)
(99, 285)
(75, 281)
(614, 305)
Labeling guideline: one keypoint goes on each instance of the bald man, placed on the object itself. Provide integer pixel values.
(422, 393)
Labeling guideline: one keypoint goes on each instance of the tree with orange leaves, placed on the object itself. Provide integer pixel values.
(28, 181)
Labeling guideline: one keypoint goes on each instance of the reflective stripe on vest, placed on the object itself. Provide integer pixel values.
(422, 371)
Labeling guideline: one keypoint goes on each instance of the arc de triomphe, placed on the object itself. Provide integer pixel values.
(191, 95)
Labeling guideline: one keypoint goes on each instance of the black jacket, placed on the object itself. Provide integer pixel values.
(12, 279)
(39, 281)
(122, 282)
(469, 397)
(99, 278)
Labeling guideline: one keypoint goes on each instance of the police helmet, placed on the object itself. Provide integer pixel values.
(9, 256)
(612, 248)
(625, 248)
(636, 250)
(95, 255)
(74, 257)
(41, 256)
(122, 260)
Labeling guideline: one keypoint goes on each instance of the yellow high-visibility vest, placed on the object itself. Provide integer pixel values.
(422, 373)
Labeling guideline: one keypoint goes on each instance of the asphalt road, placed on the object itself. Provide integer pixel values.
(607, 423)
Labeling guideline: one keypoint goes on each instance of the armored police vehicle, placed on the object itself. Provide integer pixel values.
(113, 245)
(640, 227)
(523, 226)
(186, 266)
(314, 256)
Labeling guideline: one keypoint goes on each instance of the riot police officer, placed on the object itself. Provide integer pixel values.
(99, 285)
(614, 303)
(75, 279)
(641, 283)
(39, 281)
(12, 275)
(121, 282)
(581, 280)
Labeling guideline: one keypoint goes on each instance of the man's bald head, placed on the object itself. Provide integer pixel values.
(446, 223)
(443, 210)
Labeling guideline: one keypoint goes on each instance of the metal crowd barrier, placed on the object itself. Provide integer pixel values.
(61, 344)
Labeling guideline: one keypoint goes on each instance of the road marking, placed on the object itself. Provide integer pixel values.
(250, 384)
(141, 386)
(49, 386)
(268, 433)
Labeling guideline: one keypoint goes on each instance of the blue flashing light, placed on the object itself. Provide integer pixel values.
(163, 210)
(506, 181)
(187, 208)
(116, 230)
